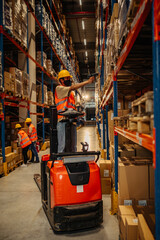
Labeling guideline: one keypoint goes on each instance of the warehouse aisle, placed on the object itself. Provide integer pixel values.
(21, 213)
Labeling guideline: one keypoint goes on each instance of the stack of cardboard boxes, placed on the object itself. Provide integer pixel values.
(17, 75)
(136, 222)
(16, 82)
(9, 82)
(105, 173)
(12, 157)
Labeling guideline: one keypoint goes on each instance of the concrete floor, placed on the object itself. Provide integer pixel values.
(21, 213)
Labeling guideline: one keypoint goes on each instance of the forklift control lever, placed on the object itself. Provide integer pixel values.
(85, 146)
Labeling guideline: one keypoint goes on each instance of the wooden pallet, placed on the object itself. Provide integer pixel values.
(143, 105)
(139, 124)
(11, 169)
(19, 163)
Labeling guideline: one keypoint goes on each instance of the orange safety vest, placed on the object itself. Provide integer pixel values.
(33, 134)
(64, 103)
(25, 141)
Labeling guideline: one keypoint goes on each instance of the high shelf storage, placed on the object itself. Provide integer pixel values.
(134, 69)
(52, 53)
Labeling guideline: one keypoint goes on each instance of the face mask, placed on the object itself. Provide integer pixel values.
(28, 124)
(67, 83)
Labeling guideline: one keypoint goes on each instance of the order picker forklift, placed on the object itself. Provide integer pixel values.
(70, 183)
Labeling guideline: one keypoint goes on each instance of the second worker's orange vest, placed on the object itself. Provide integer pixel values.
(33, 134)
(63, 104)
(25, 141)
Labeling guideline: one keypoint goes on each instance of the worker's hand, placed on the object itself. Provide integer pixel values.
(91, 79)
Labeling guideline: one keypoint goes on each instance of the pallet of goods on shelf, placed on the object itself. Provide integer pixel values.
(132, 10)
(44, 55)
(17, 74)
(39, 94)
(7, 16)
(49, 66)
(9, 82)
(50, 98)
(141, 118)
(16, 18)
(123, 10)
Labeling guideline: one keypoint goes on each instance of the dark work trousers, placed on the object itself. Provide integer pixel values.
(24, 152)
(34, 152)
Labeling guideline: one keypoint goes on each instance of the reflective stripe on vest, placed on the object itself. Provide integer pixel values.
(33, 134)
(25, 141)
(64, 103)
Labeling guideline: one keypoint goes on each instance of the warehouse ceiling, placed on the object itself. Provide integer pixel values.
(80, 18)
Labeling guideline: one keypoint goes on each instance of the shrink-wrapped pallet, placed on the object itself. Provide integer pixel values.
(39, 94)
(49, 66)
(50, 98)
(44, 56)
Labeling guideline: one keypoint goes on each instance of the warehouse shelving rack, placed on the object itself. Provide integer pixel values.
(11, 100)
(149, 142)
(102, 37)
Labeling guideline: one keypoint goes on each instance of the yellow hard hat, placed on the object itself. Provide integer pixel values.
(28, 120)
(18, 126)
(63, 74)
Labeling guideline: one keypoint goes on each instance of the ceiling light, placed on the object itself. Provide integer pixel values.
(80, 2)
(85, 42)
(86, 53)
(83, 27)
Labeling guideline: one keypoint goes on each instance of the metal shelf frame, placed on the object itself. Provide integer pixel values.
(151, 143)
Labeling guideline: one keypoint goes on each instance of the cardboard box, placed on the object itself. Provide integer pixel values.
(126, 210)
(106, 185)
(133, 181)
(8, 150)
(9, 157)
(131, 228)
(123, 212)
(105, 168)
(144, 232)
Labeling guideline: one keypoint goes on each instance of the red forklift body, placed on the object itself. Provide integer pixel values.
(64, 193)
(73, 198)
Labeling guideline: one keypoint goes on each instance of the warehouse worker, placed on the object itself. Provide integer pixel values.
(23, 141)
(32, 133)
(64, 99)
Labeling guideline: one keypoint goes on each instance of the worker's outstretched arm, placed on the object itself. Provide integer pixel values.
(79, 85)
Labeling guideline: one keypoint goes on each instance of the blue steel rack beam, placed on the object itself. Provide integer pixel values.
(115, 114)
(2, 100)
(28, 62)
(156, 87)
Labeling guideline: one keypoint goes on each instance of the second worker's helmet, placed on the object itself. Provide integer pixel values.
(28, 120)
